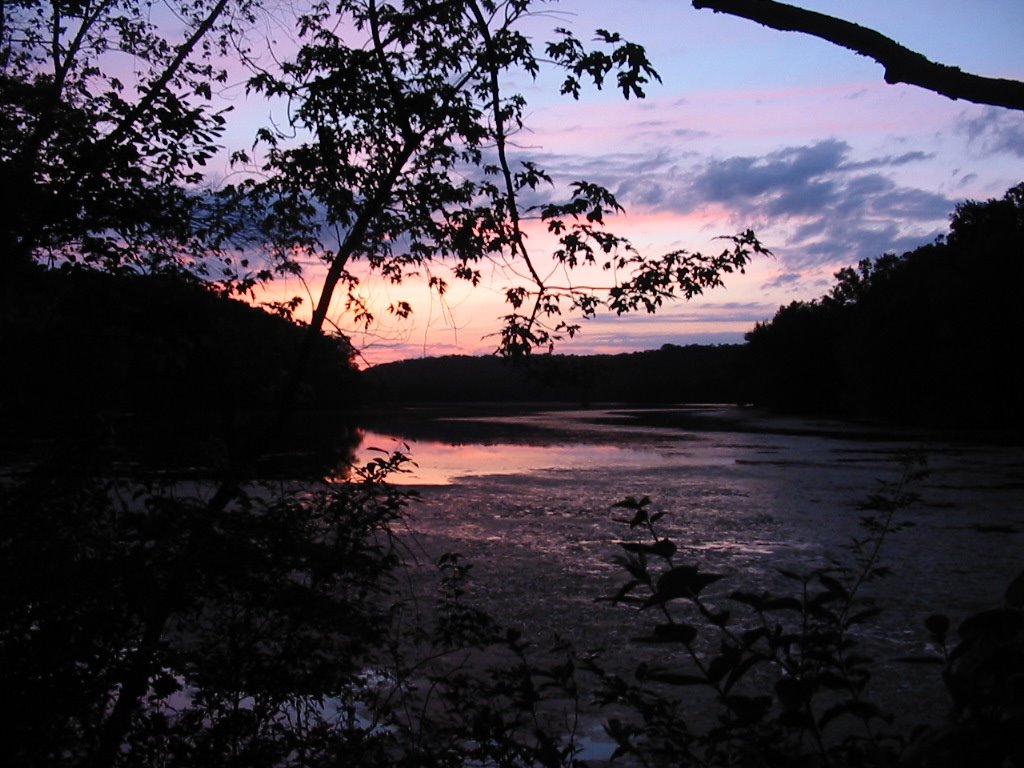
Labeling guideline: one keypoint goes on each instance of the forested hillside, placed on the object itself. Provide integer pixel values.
(150, 359)
(930, 337)
(927, 338)
(668, 375)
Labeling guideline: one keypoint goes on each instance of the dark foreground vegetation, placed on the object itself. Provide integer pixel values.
(293, 627)
(158, 369)
(150, 617)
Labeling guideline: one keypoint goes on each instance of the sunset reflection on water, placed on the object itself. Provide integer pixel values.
(439, 463)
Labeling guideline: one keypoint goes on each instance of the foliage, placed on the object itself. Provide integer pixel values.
(780, 678)
(137, 625)
(983, 672)
(156, 371)
(108, 117)
(398, 152)
(140, 628)
(922, 337)
(692, 374)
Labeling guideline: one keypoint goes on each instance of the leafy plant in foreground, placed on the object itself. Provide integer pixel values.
(137, 628)
(753, 678)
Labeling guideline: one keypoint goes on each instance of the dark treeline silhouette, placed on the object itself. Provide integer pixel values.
(673, 373)
(928, 338)
(158, 363)
(931, 337)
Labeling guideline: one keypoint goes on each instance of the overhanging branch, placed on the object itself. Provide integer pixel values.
(901, 64)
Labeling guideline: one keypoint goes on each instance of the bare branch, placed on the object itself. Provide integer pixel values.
(902, 65)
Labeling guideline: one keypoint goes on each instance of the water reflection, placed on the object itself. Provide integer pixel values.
(441, 463)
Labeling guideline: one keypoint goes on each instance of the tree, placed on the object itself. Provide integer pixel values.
(259, 627)
(107, 117)
(920, 338)
(404, 160)
(902, 65)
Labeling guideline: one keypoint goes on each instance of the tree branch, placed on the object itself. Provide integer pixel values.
(901, 64)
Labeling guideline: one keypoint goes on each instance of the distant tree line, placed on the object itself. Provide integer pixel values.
(930, 337)
(160, 363)
(693, 373)
(927, 338)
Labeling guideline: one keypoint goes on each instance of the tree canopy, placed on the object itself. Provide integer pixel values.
(398, 152)
(926, 337)
(107, 117)
(395, 150)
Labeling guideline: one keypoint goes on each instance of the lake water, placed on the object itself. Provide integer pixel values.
(527, 498)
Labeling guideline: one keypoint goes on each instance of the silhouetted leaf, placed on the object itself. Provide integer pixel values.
(863, 710)
(724, 663)
(749, 708)
(834, 586)
(938, 625)
(790, 574)
(681, 633)
(998, 624)
(682, 582)
(783, 604)
(663, 548)
(748, 598)
(1015, 592)
(673, 678)
(791, 692)
(751, 636)
(862, 616)
(740, 670)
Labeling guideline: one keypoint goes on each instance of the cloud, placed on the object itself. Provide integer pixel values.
(823, 205)
(783, 280)
(889, 161)
(996, 130)
(706, 313)
(814, 204)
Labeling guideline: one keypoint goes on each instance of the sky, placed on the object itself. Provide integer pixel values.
(750, 128)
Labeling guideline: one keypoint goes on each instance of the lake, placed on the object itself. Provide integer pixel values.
(527, 498)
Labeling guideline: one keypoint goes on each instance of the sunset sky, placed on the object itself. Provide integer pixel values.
(789, 135)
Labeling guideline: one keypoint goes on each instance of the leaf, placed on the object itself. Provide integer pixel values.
(740, 670)
(751, 636)
(673, 678)
(791, 692)
(833, 681)
(834, 586)
(683, 581)
(864, 710)
(1015, 592)
(719, 619)
(748, 598)
(682, 633)
(862, 616)
(999, 624)
(670, 633)
(663, 548)
(724, 663)
(937, 660)
(749, 708)
(938, 625)
(783, 604)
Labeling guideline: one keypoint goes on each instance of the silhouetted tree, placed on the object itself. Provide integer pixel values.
(102, 162)
(925, 337)
(404, 162)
